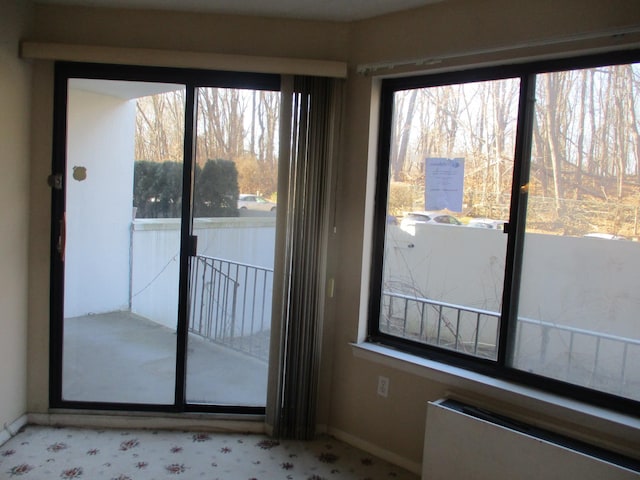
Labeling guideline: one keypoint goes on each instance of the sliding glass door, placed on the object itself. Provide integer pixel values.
(161, 280)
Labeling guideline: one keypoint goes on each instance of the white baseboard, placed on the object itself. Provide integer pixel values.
(11, 430)
(376, 450)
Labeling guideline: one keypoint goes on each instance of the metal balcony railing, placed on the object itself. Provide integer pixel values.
(231, 304)
(469, 330)
(579, 355)
(576, 355)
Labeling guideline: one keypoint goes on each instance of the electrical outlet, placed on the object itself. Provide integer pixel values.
(383, 386)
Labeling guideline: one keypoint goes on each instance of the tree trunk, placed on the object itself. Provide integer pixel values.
(403, 138)
(552, 138)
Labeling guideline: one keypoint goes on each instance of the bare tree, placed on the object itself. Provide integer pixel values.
(268, 121)
(160, 127)
(633, 94)
(402, 132)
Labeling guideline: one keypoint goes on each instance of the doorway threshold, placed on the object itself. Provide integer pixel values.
(213, 422)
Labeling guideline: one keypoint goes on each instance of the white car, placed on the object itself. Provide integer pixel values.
(255, 202)
(412, 218)
(605, 236)
(487, 223)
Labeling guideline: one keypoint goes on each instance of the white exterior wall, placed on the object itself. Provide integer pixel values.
(249, 240)
(98, 210)
(573, 281)
(156, 244)
(465, 266)
(587, 283)
(469, 274)
(459, 265)
(584, 283)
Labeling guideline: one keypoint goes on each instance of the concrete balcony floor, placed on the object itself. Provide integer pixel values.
(124, 358)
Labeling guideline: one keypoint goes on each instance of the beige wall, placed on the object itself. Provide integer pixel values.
(14, 213)
(139, 29)
(349, 404)
(457, 26)
(396, 423)
(39, 237)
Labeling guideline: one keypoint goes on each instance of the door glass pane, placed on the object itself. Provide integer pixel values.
(450, 174)
(235, 204)
(580, 292)
(123, 190)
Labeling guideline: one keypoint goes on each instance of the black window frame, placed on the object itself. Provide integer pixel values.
(499, 368)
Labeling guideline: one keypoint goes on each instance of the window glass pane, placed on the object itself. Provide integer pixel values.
(234, 218)
(123, 191)
(580, 289)
(451, 168)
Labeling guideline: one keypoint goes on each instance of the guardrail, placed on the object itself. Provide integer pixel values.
(567, 353)
(231, 304)
(469, 330)
(588, 357)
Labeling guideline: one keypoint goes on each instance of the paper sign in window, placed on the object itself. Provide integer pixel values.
(444, 182)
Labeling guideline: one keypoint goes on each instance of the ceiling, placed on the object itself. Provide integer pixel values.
(334, 10)
(125, 90)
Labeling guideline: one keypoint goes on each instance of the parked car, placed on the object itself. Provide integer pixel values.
(411, 219)
(487, 223)
(255, 202)
(605, 236)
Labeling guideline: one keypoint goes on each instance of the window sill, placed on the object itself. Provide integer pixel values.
(586, 422)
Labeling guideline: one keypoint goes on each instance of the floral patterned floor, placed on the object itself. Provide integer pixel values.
(66, 453)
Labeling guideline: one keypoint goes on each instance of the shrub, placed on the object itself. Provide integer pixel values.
(157, 189)
(400, 198)
(216, 190)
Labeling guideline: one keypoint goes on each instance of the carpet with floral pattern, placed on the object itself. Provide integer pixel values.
(39, 452)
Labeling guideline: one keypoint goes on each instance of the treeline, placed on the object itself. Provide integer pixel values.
(586, 133)
(157, 189)
(234, 124)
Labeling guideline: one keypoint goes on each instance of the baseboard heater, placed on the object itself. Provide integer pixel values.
(466, 442)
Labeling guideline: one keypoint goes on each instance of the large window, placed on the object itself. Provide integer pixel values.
(506, 238)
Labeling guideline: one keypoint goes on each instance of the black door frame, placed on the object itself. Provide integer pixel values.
(191, 79)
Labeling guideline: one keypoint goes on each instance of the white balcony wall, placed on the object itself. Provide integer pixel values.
(155, 254)
(464, 266)
(248, 240)
(594, 283)
(581, 283)
(155, 270)
(98, 209)
(452, 264)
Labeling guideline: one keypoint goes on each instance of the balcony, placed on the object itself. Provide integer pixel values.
(121, 357)
(128, 355)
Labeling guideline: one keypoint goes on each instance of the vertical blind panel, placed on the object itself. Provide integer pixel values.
(314, 113)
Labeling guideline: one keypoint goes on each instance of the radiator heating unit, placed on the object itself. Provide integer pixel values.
(465, 442)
